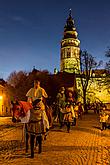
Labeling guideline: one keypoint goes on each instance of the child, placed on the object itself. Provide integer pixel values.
(103, 120)
(68, 115)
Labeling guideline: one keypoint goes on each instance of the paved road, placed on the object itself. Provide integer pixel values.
(84, 145)
(5, 120)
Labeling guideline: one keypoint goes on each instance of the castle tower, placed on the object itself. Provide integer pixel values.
(70, 50)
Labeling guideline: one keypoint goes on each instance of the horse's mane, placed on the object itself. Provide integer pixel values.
(25, 105)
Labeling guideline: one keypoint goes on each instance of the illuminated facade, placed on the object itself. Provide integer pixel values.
(70, 51)
(70, 62)
(97, 90)
(5, 106)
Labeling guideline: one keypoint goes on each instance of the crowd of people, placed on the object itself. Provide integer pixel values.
(66, 109)
(101, 110)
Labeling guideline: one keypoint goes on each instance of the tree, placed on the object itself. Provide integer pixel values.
(17, 84)
(87, 65)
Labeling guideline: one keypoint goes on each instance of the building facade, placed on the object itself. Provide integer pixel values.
(97, 89)
(5, 104)
(70, 62)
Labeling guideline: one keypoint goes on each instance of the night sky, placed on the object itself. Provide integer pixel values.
(31, 31)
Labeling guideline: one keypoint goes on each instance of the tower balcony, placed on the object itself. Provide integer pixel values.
(70, 42)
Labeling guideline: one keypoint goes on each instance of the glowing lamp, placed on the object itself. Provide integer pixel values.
(1, 97)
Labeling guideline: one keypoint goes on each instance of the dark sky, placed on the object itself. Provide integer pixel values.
(31, 31)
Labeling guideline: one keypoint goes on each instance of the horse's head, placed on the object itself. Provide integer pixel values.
(17, 111)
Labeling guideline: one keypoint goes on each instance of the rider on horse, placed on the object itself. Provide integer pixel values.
(37, 92)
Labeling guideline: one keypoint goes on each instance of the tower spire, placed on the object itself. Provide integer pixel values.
(70, 12)
(69, 22)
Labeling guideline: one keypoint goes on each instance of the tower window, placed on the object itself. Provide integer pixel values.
(68, 55)
(62, 54)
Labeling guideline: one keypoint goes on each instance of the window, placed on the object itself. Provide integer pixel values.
(68, 53)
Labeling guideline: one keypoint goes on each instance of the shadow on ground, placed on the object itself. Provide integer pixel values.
(92, 130)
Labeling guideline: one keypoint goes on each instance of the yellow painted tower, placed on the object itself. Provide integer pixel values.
(70, 50)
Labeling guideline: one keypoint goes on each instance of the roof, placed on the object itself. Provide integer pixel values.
(100, 73)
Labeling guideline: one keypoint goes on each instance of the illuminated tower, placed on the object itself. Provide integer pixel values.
(70, 50)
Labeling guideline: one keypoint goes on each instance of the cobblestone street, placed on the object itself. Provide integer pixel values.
(86, 144)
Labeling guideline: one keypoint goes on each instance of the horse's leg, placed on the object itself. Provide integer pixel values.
(39, 138)
(27, 146)
(32, 137)
(26, 137)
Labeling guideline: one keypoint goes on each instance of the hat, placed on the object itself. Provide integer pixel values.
(62, 89)
(36, 102)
